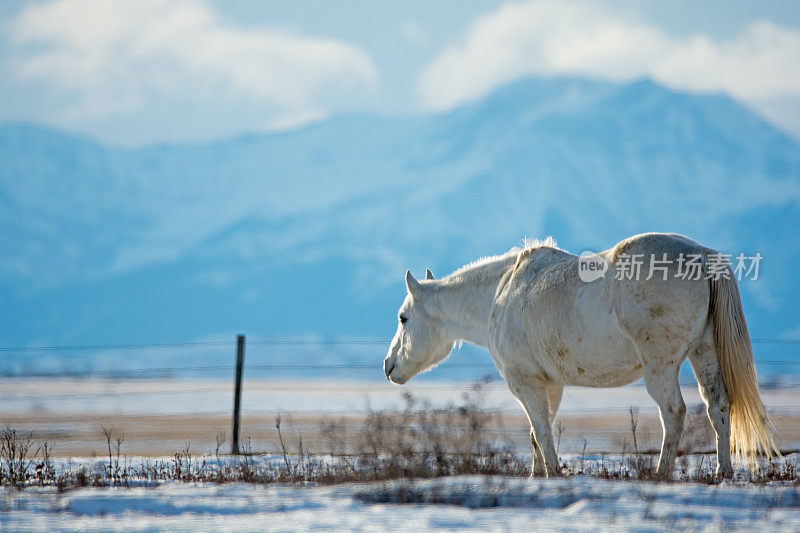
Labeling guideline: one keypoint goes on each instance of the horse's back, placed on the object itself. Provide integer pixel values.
(671, 244)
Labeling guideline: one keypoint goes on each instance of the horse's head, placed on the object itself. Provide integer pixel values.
(420, 341)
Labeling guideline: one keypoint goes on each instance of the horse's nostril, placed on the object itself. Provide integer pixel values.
(388, 369)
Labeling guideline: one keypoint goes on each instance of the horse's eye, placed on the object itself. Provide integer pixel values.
(403, 319)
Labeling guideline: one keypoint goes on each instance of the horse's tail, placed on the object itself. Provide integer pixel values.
(751, 429)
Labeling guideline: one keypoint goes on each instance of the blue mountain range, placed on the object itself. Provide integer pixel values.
(308, 232)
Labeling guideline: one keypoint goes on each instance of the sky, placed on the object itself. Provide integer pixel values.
(140, 72)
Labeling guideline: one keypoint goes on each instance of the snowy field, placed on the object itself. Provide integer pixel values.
(160, 416)
(463, 503)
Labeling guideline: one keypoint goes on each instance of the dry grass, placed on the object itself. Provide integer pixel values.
(160, 435)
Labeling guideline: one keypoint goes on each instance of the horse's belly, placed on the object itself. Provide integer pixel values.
(605, 376)
(601, 364)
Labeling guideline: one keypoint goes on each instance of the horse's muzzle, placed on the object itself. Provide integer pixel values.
(388, 368)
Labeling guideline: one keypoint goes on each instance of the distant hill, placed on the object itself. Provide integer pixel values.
(310, 231)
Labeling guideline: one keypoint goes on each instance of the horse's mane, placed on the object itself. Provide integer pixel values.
(528, 245)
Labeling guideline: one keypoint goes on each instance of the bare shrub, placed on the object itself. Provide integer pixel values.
(639, 466)
(220, 438)
(15, 457)
(44, 470)
(114, 473)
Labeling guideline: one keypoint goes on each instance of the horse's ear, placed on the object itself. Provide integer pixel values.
(428, 274)
(413, 286)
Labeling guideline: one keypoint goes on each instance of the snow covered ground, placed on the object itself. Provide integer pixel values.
(57, 409)
(468, 503)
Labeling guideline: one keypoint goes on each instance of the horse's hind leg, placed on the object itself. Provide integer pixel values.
(661, 380)
(712, 389)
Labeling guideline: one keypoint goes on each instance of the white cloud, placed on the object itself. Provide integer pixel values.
(292, 121)
(114, 57)
(549, 37)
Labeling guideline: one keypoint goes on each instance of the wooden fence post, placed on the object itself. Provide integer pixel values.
(237, 397)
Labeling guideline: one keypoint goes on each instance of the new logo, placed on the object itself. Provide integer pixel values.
(591, 266)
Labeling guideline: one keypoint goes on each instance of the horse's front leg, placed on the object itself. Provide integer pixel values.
(537, 468)
(554, 400)
(535, 401)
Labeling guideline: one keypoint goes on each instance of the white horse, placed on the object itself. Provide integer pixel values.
(546, 328)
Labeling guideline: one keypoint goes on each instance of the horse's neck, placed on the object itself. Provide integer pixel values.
(467, 297)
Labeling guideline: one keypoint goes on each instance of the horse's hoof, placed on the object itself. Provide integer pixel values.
(663, 476)
(723, 474)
